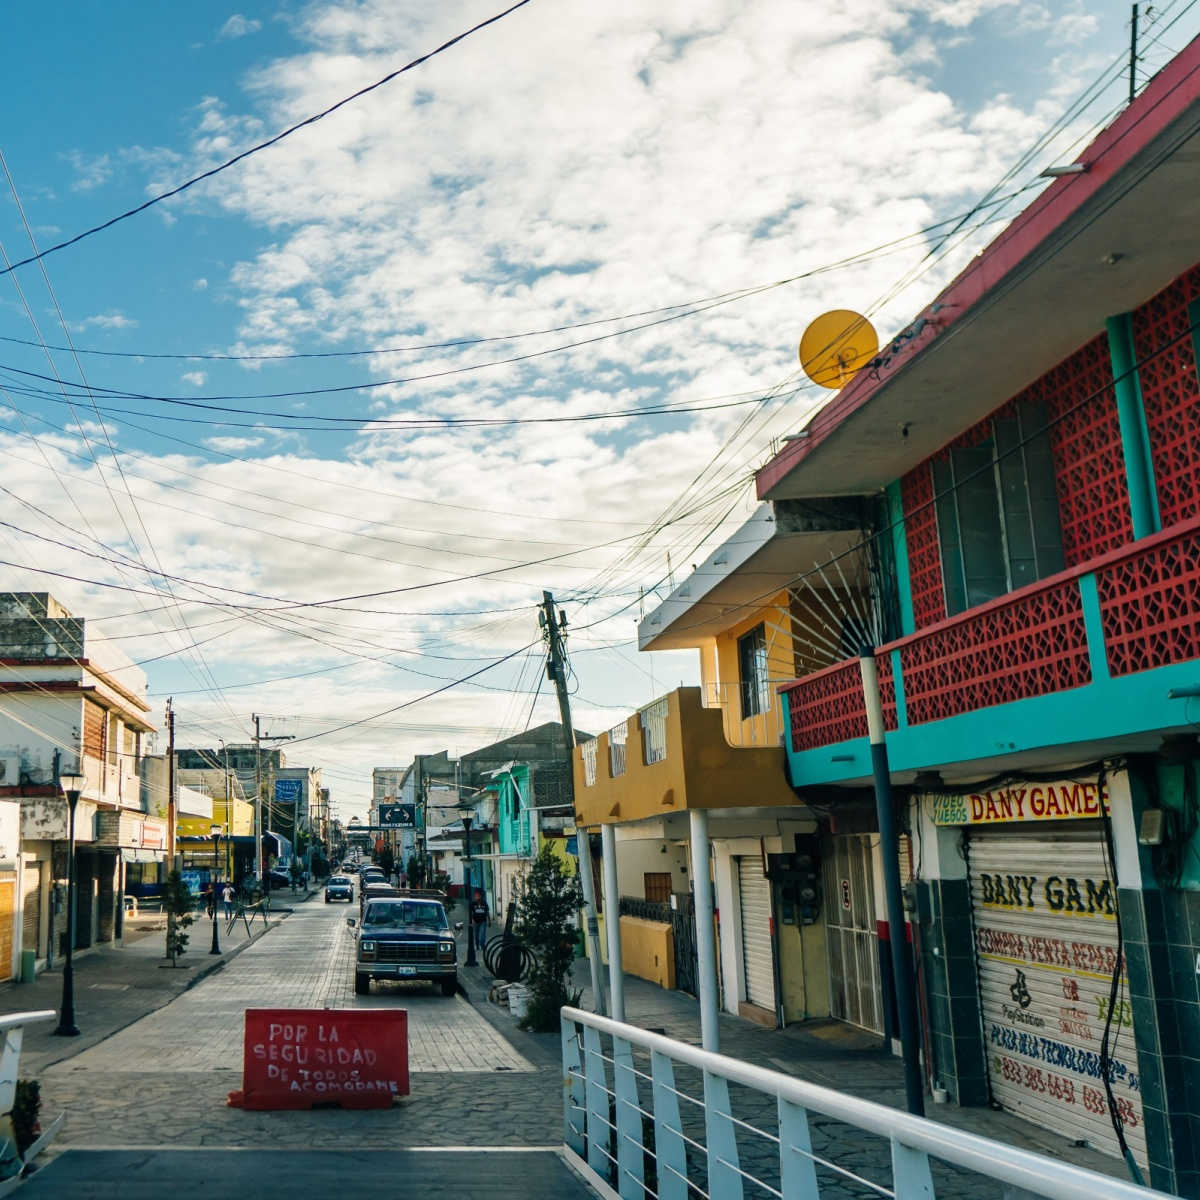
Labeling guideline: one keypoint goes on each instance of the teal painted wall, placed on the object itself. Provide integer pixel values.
(895, 511)
(513, 810)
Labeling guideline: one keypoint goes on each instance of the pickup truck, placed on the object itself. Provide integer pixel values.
(404, 938)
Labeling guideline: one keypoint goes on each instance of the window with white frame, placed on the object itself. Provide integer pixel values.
(616, 748)
(588, 752)
(752, 672)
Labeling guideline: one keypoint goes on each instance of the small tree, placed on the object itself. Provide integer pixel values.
(177, 900)
(548, 903)
(387, 860)
(415, 871)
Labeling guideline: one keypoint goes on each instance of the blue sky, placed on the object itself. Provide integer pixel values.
(572, 164)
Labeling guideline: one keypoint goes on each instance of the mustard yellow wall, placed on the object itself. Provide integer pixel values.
(558, 846)
(701, 770)
(241, 823)
(648, 951)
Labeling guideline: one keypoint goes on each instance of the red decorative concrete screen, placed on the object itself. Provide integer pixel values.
(1150, 604)
(1163, 342)
(295, 1058)
(1029, 644)
(828, 707)
(924, 553)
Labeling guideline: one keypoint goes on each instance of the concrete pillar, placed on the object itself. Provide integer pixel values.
(612, 922)
(706, 958)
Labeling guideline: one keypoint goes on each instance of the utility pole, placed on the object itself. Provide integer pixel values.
(1133, 34)
(259, 738)
(170, 820)
(553, 623)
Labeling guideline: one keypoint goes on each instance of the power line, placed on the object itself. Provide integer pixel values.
(279, 137)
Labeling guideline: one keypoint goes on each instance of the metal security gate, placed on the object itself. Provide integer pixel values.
(754, 893)
(853, 935)
(31, 906)
(1044, 909)
(683, 930)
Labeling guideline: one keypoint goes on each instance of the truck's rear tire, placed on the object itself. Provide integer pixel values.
(362, 985)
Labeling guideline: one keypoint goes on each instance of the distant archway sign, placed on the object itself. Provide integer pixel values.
(397, 816)
(297, 1058)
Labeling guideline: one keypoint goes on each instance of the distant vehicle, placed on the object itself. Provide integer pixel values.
(403, 938)
(374, 889)
(372, 873)
(339, 887)
(278, 879)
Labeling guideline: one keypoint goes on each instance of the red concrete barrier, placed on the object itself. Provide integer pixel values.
(297, 1058)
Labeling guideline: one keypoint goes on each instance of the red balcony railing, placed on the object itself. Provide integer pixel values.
(828, 707)
(1025, 644)
(1032, 642)
(1150, 603)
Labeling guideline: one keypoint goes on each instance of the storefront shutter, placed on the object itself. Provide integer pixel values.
(1044, 907)
(755, 894)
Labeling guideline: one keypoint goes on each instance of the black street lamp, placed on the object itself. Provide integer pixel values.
(471, 959)
(215, 830)
(71, 785)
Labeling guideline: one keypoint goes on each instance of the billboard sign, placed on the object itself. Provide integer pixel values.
(397, 816)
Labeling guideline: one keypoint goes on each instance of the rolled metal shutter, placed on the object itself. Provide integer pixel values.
(755, 894)
(31, 906)
(1044, 907)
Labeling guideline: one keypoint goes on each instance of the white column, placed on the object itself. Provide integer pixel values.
(706, 959)
(612, 922)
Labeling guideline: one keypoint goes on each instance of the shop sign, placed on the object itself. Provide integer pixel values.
(1066, 801)
(152, 834)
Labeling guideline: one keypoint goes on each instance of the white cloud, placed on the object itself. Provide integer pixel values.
(109, 320)
(200, 285)
(559, 169)
(195, 378)
(239, 26)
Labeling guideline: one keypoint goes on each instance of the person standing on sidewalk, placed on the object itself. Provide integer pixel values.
(227, 899)
(480, 915)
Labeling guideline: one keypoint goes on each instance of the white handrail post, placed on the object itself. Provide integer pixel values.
(630, 1159)
(797, 1171)
(597, 1103)
(724, 1181)
(574, 1094)
(612, 922)
(911, 1177)
(670, 1152)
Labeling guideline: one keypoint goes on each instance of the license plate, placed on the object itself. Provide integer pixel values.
(406, 970)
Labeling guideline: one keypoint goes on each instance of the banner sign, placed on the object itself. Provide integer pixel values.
(1068, 801)
(397, 816)
(289, 791)
(293, 1058)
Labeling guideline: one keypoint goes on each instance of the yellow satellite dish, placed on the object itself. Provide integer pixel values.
(836, 346)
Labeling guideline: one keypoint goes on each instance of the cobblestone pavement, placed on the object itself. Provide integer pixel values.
(163, 1080)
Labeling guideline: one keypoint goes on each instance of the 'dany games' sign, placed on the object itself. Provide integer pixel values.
(1067, 801)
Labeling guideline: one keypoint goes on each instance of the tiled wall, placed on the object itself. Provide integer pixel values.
(1162, 953)
(948, 969)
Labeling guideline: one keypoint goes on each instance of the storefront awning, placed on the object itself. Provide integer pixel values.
(141, 856)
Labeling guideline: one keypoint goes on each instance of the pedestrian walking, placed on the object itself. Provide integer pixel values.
(227, 898)
(480, 915)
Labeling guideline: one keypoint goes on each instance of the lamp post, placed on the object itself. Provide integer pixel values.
(471, 959)
(71, 785)
(215, 831)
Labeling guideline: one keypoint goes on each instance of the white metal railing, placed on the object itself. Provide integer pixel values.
(13, 1162)
(654, 731)
(588, 752)
(625, 1108)
(758, 730)
(616, 748)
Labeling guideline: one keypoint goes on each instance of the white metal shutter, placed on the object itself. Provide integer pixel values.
(755, 894)
(1044, 906)
(31, 906)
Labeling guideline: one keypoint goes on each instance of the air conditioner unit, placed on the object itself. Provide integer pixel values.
(10, 771)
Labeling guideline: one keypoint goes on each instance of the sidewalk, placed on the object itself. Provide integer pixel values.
(117, 985)
(829, 1053)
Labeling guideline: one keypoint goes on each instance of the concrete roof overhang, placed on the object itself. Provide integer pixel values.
(1091, 246)
(742, 574)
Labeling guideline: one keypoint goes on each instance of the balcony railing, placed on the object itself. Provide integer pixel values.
(654, 731)
(587, 751)
(1032, 642)
(617, 736)
(762, 729)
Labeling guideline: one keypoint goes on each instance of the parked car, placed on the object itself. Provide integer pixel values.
(404, 938)
(339, 887)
